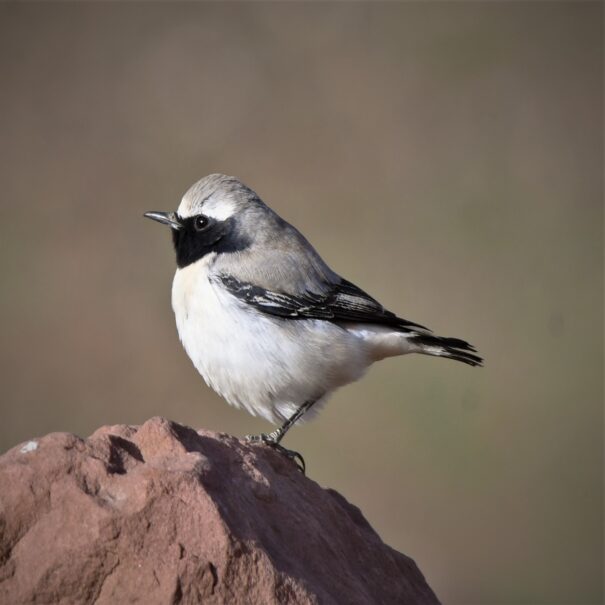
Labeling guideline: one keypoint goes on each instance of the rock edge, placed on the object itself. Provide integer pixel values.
(162, 513)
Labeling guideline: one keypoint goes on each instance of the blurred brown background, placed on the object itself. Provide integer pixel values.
(446, 157)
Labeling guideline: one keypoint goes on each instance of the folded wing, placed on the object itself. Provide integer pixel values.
(343, 302)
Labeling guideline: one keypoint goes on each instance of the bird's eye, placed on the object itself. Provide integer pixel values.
(200, 222)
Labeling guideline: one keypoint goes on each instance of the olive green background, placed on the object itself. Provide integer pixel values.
(446, 157)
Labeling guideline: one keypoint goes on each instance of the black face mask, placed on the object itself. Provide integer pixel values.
(199, 235)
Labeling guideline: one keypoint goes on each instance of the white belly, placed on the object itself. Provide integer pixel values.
(266, 365)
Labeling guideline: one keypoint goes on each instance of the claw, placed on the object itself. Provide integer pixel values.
(269, 440)
(296, 457)
(255, 438)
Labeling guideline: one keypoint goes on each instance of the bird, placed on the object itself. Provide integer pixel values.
(265, 321)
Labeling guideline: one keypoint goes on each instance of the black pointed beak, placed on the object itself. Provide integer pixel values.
(166, 218)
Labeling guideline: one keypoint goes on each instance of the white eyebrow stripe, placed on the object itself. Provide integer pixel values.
(219, 210)
(186, 209)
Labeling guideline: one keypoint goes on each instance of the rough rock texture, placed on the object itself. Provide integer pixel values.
(163, 514)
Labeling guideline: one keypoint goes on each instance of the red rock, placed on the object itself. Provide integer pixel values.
(163, 514)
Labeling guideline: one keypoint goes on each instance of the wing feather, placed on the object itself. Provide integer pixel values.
(344, 302)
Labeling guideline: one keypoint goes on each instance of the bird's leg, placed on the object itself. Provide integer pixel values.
(278, 434)
(272, 439)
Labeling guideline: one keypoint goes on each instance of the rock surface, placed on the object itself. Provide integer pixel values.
(163, 514)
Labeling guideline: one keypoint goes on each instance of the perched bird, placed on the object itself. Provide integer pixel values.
(265, 321)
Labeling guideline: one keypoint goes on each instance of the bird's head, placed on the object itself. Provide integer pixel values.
(212, 217)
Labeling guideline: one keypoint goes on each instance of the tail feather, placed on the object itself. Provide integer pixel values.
(451, 348)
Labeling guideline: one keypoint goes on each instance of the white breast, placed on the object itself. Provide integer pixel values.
(266, 365)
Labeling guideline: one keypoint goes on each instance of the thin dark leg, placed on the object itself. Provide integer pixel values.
(277, 435)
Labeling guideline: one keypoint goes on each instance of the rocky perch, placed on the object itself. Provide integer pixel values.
(163, 514)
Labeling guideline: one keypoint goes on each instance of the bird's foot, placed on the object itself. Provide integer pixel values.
(272, 441)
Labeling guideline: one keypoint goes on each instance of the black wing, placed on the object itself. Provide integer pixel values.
(344, 302)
